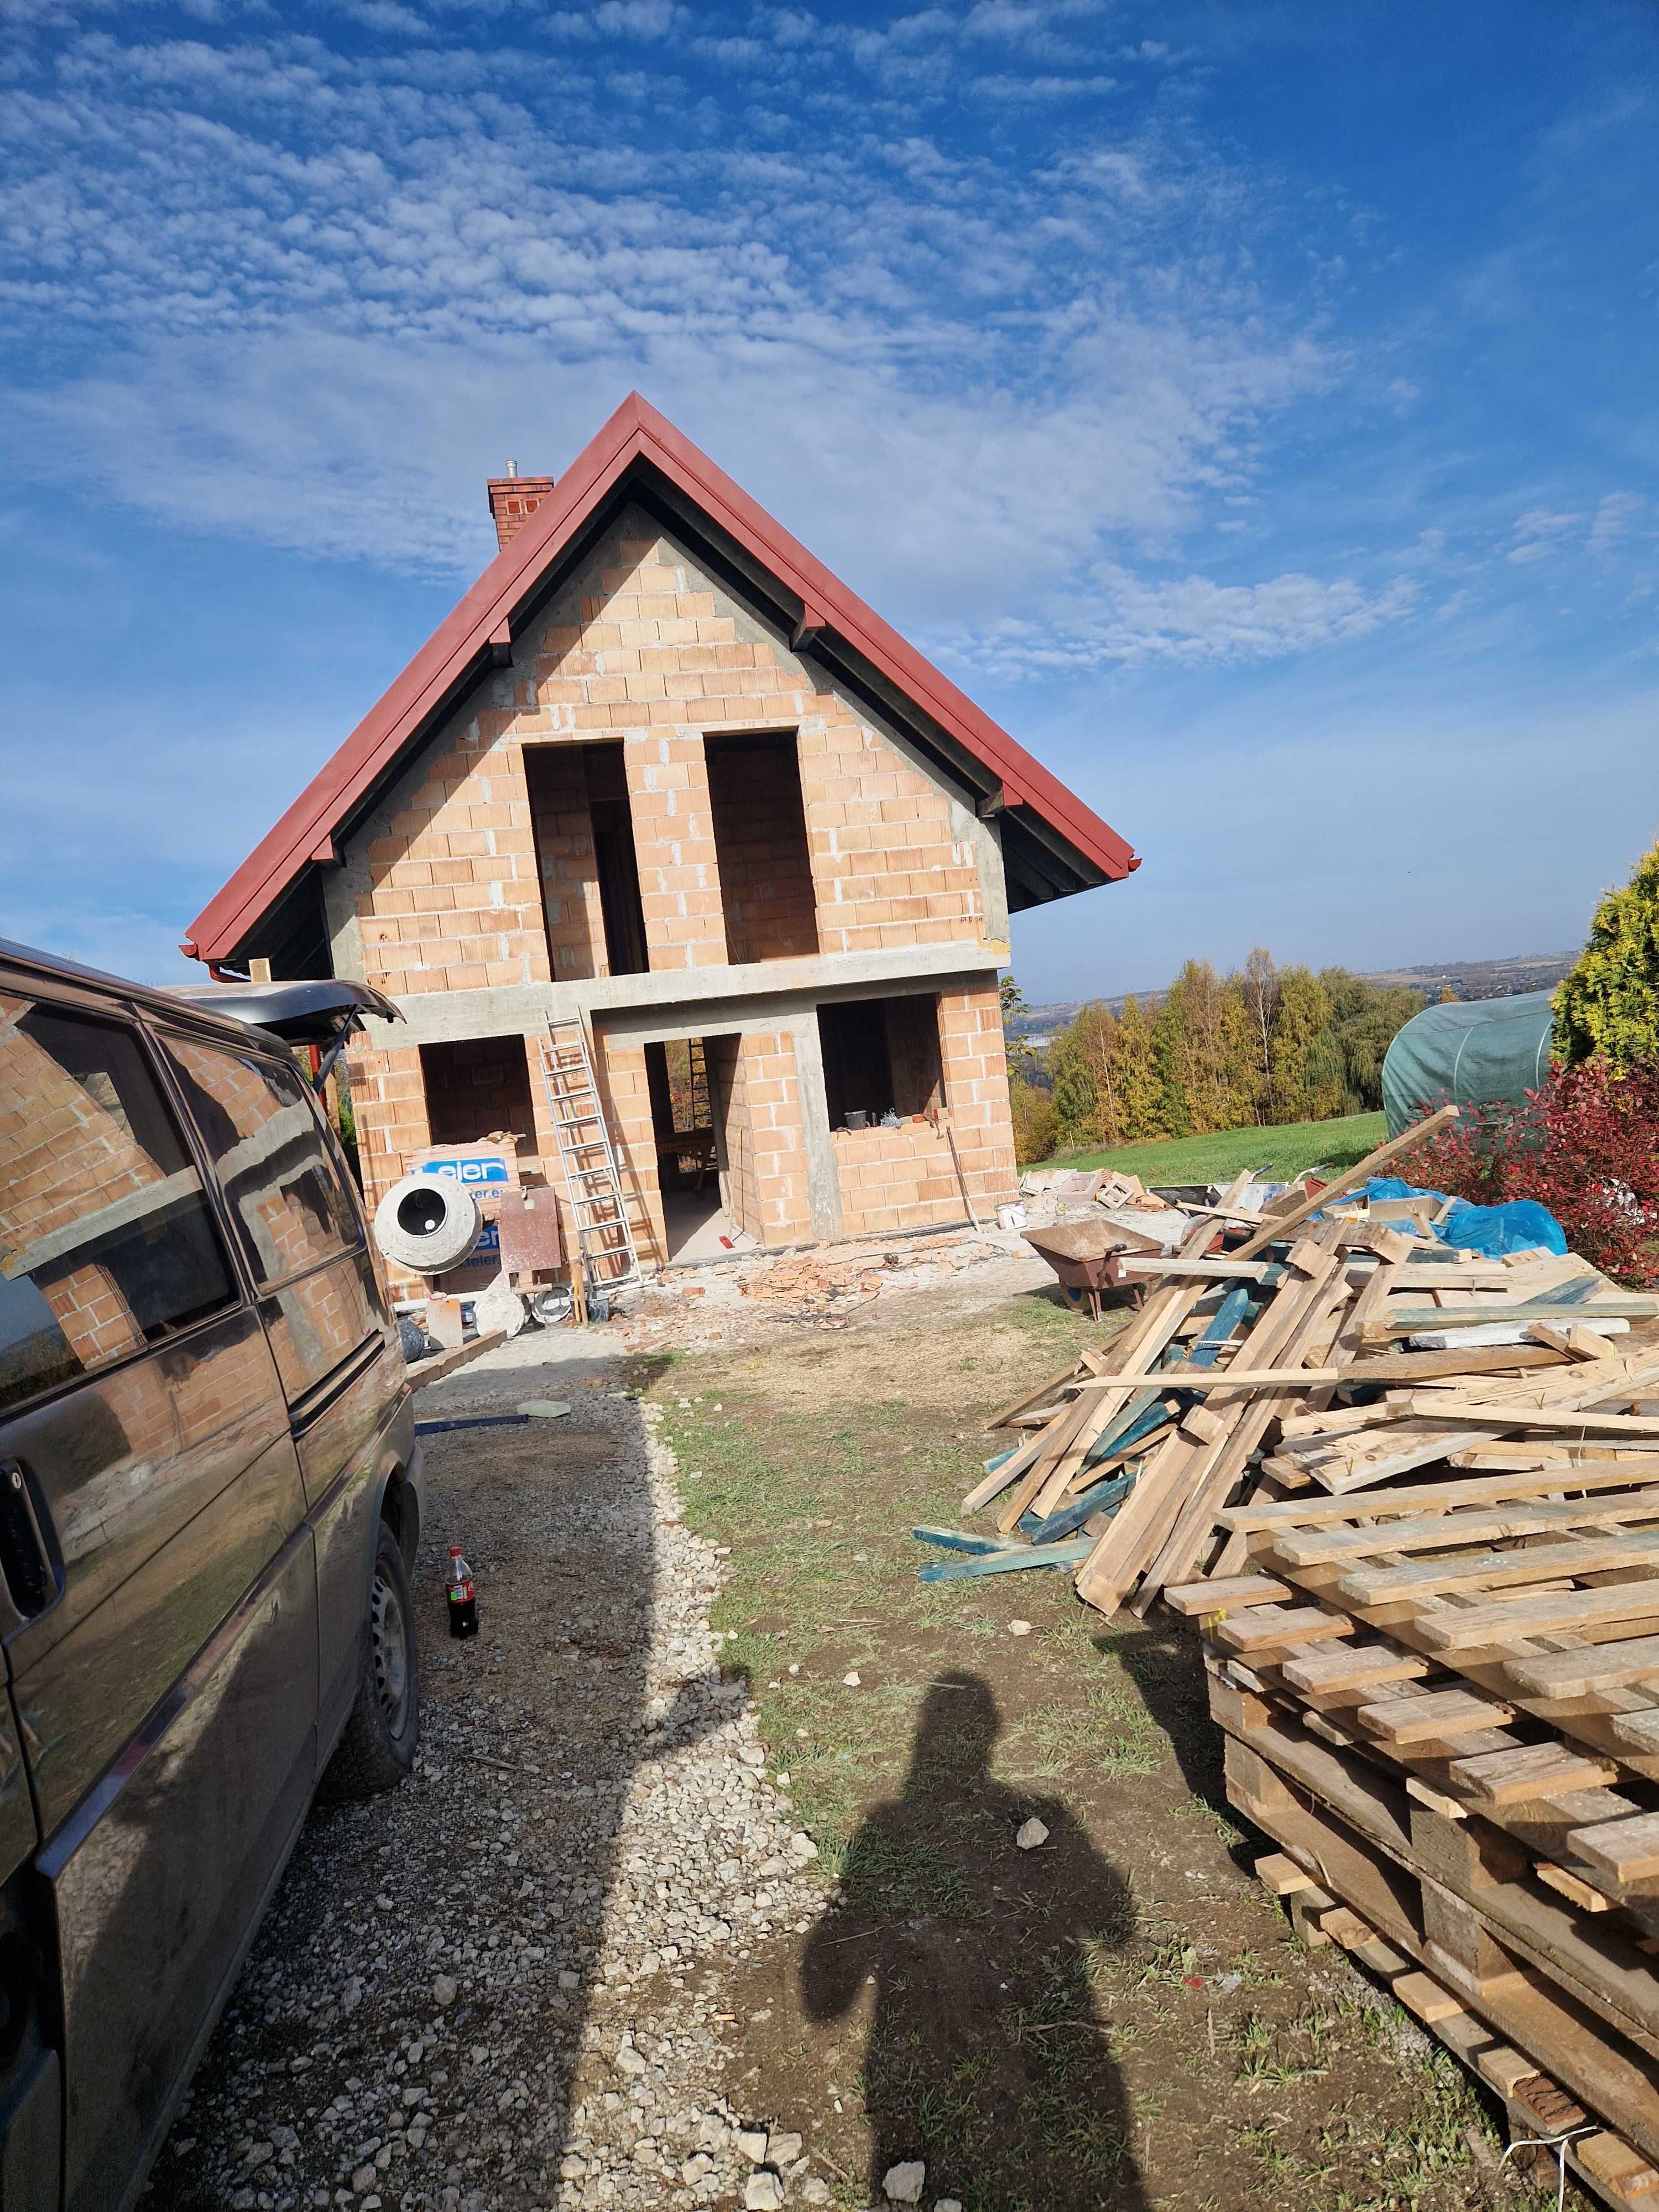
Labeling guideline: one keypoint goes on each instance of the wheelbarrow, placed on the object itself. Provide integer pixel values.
(1084, 1256)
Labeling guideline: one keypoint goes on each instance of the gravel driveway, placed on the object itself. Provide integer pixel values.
(499, 1985)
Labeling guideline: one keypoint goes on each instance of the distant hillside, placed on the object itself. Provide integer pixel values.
(1468, 979)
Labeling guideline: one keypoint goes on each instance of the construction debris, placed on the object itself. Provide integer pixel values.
(1425, 1554)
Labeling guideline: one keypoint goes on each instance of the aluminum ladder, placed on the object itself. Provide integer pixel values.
(599, 1211)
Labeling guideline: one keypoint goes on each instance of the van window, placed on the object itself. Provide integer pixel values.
(108, 1242)
(257, 1122)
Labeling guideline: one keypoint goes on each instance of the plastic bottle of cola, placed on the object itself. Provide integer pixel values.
(463, 1598)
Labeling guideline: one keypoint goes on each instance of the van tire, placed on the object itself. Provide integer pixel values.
(378, 1747)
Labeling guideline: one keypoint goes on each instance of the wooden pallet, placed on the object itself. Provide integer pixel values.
(1536, 2108)
(1569, 1988)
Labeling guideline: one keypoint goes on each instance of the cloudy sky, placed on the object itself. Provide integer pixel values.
(1252, 404)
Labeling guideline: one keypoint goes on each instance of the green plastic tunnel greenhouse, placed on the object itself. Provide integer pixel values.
(1474, 1052)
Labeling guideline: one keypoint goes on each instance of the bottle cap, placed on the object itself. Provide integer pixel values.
(454, 1550)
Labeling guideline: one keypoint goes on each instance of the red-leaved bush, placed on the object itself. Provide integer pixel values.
(1586, 1145)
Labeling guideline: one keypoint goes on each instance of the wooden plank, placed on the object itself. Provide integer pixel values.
(1356, 1666)
(1225, 1378)
(1221, 1270)
(1570, 1887)
(1488, 1570)
(1470, 1359)
(1143, 1522)
(1557, 1475)
(1540, 1770)
(1624, 1305)
(1437, 1531)
(1434, 1716)
(1598, 1967)
(1191, 1534)
(1580, 1674)
(1489, 1625)
(1429, 1999)
(1264, 1629)
(1282, 1876)
(1229, 1593)
(1362, 1172)
(1581, 1420)
(1625, 1850)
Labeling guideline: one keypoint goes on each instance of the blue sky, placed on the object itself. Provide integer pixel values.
(1253, 405)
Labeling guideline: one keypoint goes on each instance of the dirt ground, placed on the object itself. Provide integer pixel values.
(1116, 2018)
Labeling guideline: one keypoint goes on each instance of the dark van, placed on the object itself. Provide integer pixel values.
(209, 1499)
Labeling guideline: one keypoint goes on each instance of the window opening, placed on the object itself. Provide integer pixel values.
(760, 846)
(584, 857)
(479, 1087)
(881, 1059)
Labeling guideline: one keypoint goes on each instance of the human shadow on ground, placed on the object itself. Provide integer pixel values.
(987, 2056)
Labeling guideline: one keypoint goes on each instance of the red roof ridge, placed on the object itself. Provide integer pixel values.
(482, 615)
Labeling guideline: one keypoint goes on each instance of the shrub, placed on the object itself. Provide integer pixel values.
(1608, 1006)
(1586, 1145)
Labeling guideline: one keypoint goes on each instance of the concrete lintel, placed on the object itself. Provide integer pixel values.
(688, 1001)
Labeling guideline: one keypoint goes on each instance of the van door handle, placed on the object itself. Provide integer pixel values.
(33, 1578)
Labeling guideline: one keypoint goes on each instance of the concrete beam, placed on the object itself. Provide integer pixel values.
(687, 1001)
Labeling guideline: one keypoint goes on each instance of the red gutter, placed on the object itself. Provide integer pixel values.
(635, 431)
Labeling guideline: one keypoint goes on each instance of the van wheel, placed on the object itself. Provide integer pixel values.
(377, 1749)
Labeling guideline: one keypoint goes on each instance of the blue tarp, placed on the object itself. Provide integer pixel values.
(1519, 1226)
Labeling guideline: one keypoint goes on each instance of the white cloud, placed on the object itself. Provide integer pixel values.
(325, 295)
(1034, 89)
(1189, 619)
(1617, 516)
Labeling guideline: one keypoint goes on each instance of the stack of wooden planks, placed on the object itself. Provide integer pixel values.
(1411, 1497)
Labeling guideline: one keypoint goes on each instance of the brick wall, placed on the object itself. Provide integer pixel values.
(454, 900)
(975, 1074)
(625, 1092)
(897, 1178)
(766, 1156)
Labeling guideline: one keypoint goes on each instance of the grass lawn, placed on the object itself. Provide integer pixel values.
(1118, 2019)
(1283, 1152)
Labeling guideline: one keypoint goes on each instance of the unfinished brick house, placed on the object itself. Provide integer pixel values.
(662, 771)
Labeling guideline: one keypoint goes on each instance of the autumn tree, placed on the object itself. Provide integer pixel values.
(1259, 990)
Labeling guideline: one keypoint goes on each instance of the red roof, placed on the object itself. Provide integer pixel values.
(466, 642)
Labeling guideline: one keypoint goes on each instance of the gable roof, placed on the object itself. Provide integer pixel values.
(1052, 844)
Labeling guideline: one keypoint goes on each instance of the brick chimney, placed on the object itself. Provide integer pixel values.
(514, 499)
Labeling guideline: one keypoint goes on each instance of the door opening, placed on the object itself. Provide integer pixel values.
(686, 1120)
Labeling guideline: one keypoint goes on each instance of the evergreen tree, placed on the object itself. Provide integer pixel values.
(1364, 1021)
(1074, 1068)
(1305, 1063)
(1137, 1075)
(1608, 1006)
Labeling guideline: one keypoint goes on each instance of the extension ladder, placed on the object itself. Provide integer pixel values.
(598, 1212)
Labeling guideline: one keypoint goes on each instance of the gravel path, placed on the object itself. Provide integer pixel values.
(501, 1984)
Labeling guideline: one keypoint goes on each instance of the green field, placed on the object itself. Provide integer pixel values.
(1281, 1153)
